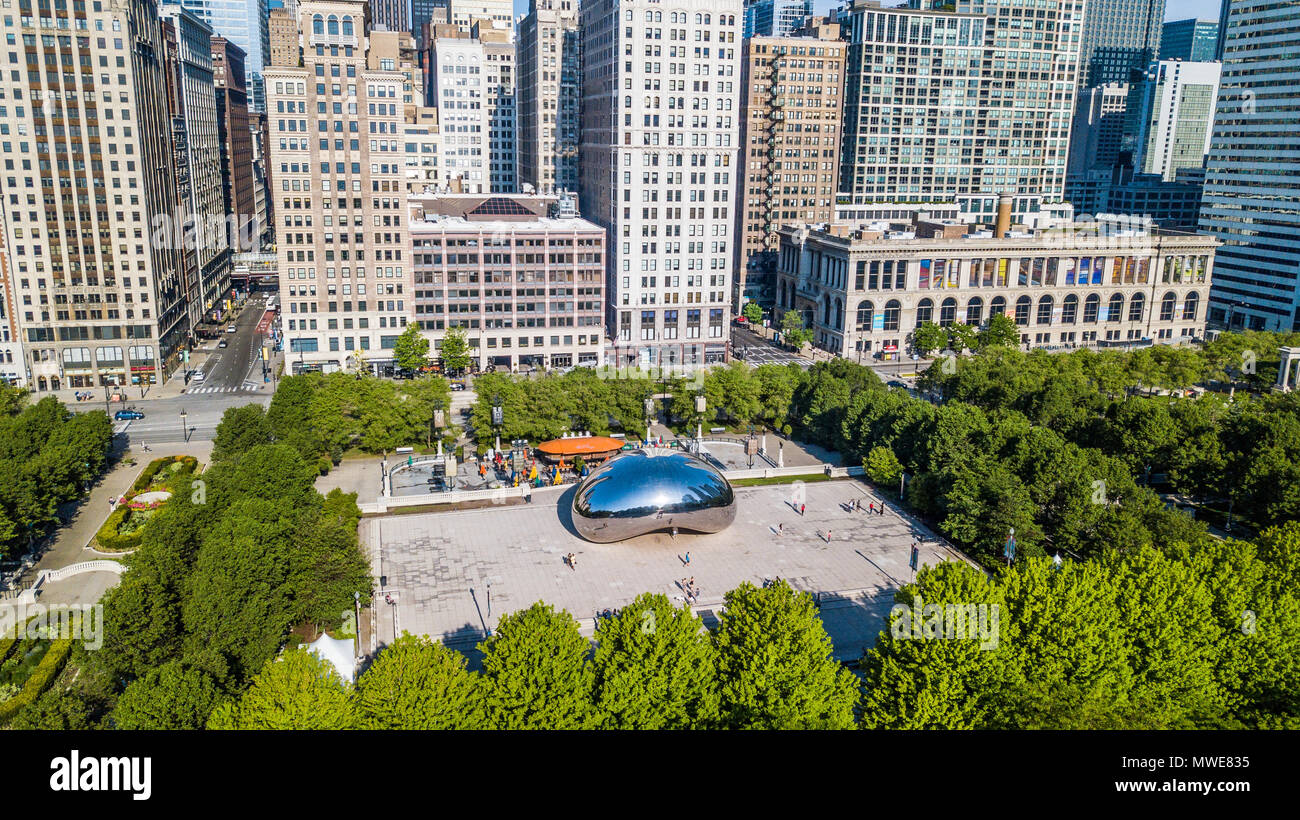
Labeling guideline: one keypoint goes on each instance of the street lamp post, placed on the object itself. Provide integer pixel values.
(185, 430)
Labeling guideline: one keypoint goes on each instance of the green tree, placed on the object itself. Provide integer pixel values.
(241, 429)
(753, 313)
(455, 351)
(1002, 331)
(538, 673)
(655, 668)
(882, 467)
(411, 349)
(167, 697)
(775, 663)
(295, 691)
(929, 337)
(793, 331)
(417, 683)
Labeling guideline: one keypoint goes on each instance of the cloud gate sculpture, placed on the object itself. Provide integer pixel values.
(644, 491)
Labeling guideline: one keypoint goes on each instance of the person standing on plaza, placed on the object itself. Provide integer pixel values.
(780, 529)
(688, 559)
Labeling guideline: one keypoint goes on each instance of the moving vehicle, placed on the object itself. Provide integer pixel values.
(128, 415)
(232, 329)
(457, 386)
(223, 343)
(198, 377)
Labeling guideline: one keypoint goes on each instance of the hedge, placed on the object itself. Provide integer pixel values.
(156, 466)
(109, 539)
(41, 678)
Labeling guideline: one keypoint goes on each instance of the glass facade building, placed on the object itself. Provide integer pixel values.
(1192, 40)
(244, 23)
(1118, 36)
(1252, 184)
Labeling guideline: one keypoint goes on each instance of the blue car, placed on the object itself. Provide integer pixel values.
(128, 415)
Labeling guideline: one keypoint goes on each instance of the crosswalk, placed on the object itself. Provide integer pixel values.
(244, 388)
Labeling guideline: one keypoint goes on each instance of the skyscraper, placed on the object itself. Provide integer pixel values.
(239, 180)
(549, 82)
(983, 107)
(395, 15)
(457, 83)
(658, 164)
(340, 225)
(1252, 182)
(790, 125)
(1170, 116)
(1098, 128)
(776, 18)
(93, 220)
(1193, 40)
(243, 22)
(197, 146)
(499, 97)
(1118, 36)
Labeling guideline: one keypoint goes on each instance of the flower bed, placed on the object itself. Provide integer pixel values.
(155, 486)
(54, 655)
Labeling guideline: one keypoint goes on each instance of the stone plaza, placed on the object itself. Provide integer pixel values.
(452, 575)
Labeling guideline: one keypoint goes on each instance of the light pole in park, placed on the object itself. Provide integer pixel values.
(185, 430)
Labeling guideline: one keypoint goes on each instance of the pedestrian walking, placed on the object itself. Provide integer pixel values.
(828, 536)
(871, 507)
(780, 529)
(880, 508)
(688, 559)
(674, 533)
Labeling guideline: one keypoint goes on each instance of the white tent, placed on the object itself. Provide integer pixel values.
(338, 653)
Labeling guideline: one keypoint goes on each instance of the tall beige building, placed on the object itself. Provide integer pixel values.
(549, 84)
(282, 27)
(792, 104)
(90, 196)
(335, 131)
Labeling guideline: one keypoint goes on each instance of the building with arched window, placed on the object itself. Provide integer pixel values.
(1080, 285)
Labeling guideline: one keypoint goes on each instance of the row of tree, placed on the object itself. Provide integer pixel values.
(48, 456)
(1242, 449)
(322, 415)
(767, 665)
(1177, 637)
(219, 580)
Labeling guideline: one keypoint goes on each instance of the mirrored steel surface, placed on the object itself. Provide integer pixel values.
(642, 491)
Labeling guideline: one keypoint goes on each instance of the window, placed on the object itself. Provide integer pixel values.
(1022, 310)
(1135, 306)
(1045, 306)
(1167, 305)
(1191, 305)
(1091, 306)
(975, 311)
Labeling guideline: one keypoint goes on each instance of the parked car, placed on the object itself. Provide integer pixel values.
(199, 376)
(223, 343)
(457, 386)
(895, 383)
(128, 415)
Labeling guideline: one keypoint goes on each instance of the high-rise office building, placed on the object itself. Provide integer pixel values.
(1097, 130)
(337, 175)
(658, 164)
(457, 87)
(776, 18)
(463, 13)
(533, 298)
(1252, 181)
(549, 82)
(1224, 8)
(243, 22)
(238, 177)
(282, 34)
(499, 97)
(1118, 36)
(94, 228)
(792, 98)
(952, 127)
(13, 368)
(196, 144)
(1170, 117)
(394, 15)
(1192, 40)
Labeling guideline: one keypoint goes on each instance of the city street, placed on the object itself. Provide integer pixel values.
(232, 377)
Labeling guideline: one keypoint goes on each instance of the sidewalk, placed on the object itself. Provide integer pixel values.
(71, 541)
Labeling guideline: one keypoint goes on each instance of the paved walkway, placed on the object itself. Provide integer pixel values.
(440, 565)
(71, 541)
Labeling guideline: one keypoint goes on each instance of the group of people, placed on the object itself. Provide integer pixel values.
(572, 560)
(690, 590)
(855, 505)
(84, 395)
